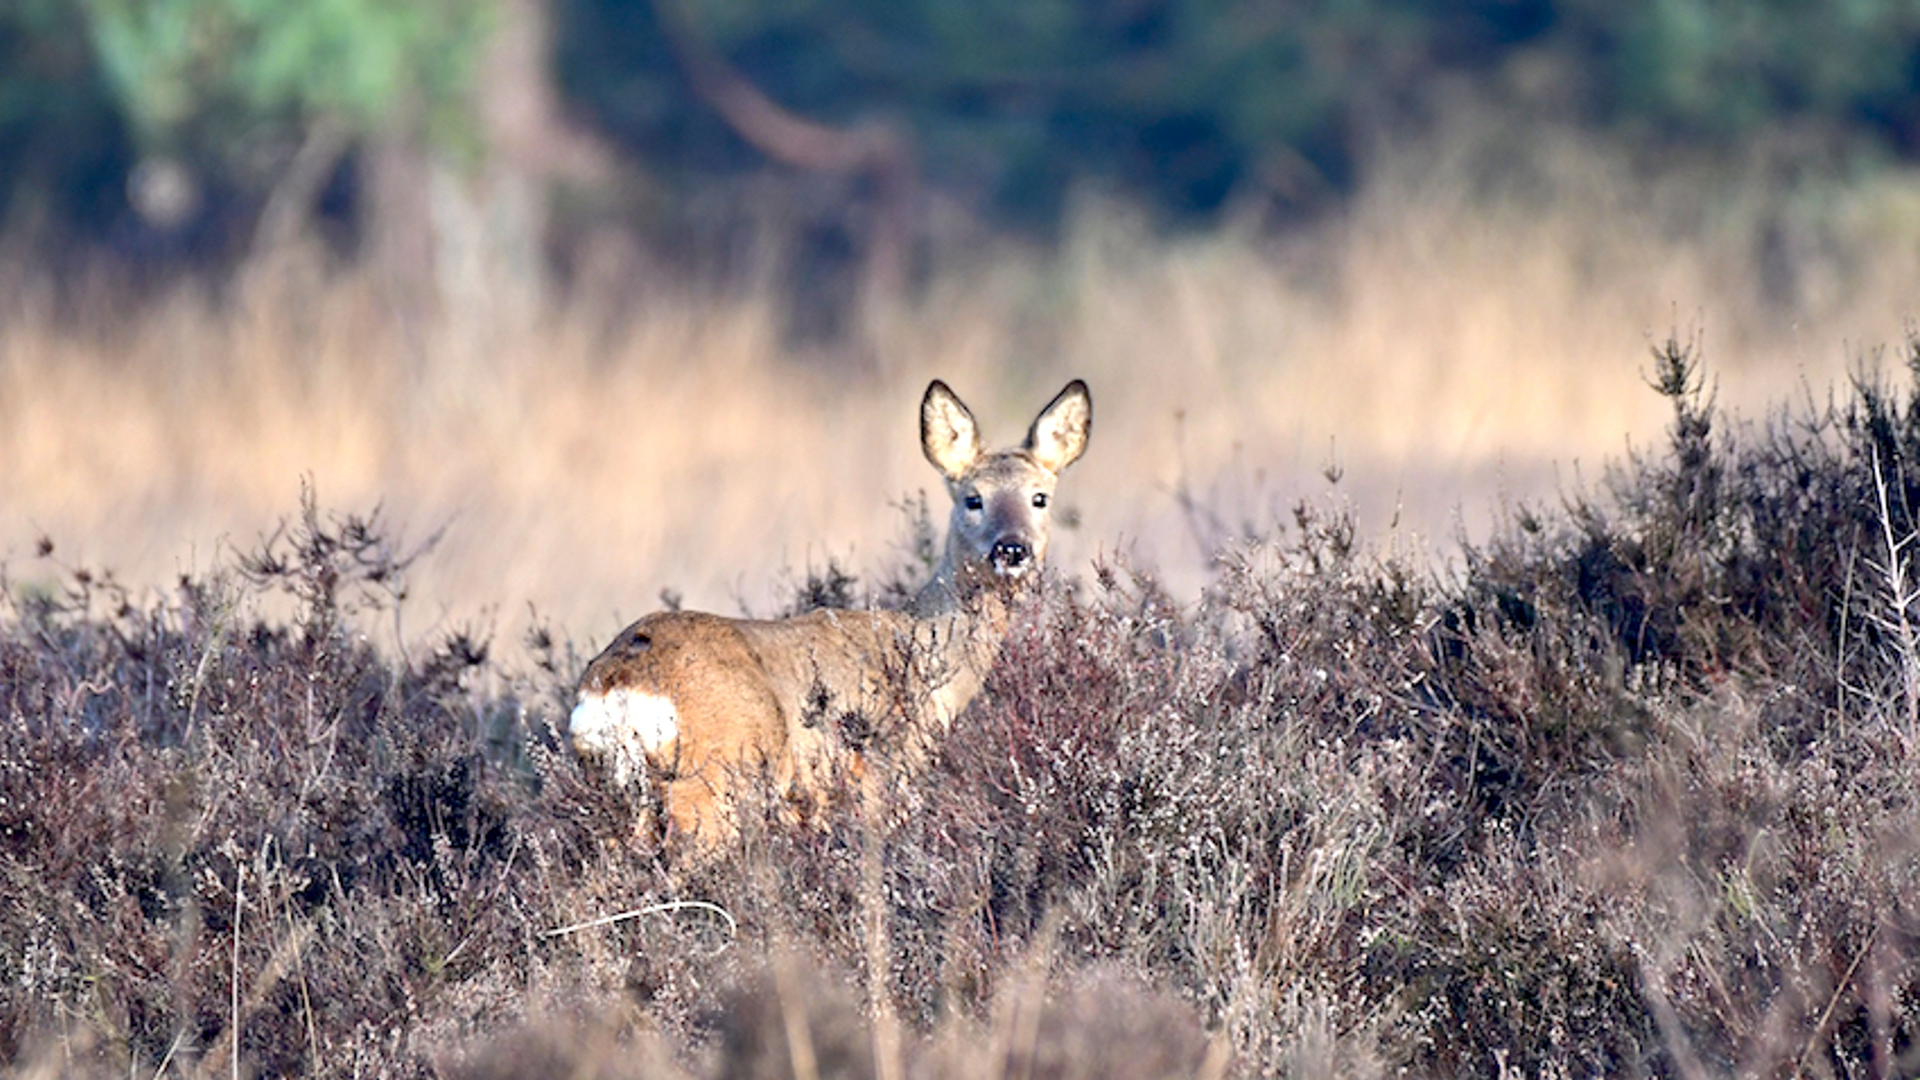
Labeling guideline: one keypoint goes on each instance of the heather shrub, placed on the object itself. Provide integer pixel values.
(1627, 790)
(1438, 823)
(226, 836)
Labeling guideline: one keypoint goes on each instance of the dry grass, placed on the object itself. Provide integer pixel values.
(1441, 340)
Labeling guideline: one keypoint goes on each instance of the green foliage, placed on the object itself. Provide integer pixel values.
(1189, 105)
(1724, 68)
(364, 63)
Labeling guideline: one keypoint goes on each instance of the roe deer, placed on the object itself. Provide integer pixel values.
(698, 703)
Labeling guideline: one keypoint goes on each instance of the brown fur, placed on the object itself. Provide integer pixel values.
(802, 700)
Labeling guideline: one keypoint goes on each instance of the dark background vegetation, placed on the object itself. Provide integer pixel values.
(1193, 107)
(1628, 791)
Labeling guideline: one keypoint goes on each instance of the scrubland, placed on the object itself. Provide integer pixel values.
(1630, 791)
(1622, 782)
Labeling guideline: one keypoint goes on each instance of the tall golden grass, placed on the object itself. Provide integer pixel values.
(1472, 326)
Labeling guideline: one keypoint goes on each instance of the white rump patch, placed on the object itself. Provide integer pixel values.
(623, 728)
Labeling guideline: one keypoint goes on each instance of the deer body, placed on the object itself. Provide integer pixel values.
(699, 703)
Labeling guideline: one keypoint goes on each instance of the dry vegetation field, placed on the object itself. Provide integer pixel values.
(1441, 342)
(1628, 784)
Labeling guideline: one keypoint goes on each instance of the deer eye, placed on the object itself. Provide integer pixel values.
(1039, 500)
(972, 502)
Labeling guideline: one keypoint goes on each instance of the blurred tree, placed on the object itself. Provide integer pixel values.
(269, 94)
(1189, 105)
(241, 61)
(62, 140)
(1186, 102)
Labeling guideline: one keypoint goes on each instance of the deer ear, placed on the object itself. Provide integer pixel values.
(948, 435)
(1059, 434)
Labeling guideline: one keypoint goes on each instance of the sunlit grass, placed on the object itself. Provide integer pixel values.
(1446, 337)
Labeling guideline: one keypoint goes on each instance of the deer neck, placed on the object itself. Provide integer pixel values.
(959, 621)
(975, 597)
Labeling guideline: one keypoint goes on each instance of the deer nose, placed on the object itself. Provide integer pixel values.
(1011, 556)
